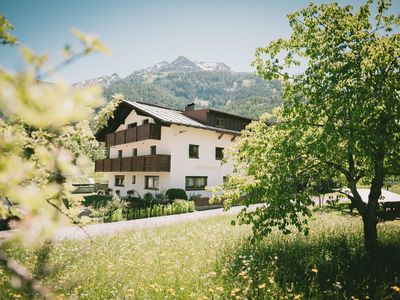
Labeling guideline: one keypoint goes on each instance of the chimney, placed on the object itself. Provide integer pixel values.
(189, 107)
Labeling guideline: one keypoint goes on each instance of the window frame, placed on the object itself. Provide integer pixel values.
(146, 182)
(196, 187)
(198, 151)
(153, 150)
(217, 120)
(216, 153)
(117, 178)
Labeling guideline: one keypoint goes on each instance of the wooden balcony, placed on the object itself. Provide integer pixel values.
(146, 163)
(144, 132)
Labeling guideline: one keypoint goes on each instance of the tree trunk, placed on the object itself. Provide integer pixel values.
(370, 231)
(369, 215)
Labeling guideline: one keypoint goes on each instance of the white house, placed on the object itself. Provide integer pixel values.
(153, 148)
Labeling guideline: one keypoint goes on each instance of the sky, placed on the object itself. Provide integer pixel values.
(143, 33)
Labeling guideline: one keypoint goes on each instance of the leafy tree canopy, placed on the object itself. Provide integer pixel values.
(45, 140)
(340, 117)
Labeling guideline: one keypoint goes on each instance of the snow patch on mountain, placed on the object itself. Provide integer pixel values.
(184, 64)
(212, 66)
(103, 81)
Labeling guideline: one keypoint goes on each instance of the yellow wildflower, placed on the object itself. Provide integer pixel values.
(395, 288)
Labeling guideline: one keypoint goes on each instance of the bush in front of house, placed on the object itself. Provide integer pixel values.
(112, 211)
(96, 201)
(175, 193)
(177, 207)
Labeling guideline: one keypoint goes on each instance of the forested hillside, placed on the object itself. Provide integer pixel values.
(184, 81)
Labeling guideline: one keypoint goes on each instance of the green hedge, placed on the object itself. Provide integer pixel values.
(177, 207)
(96, 201)
(173, 194)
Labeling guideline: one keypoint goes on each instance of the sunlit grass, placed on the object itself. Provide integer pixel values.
(210, 259)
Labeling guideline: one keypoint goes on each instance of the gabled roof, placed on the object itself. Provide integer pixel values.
(163, 115)
(166, 115)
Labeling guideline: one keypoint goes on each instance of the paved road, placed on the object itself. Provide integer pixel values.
(386, 196)
(73, 232)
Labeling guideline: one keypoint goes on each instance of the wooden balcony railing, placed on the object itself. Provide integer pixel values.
(146, 163)
(148, 131)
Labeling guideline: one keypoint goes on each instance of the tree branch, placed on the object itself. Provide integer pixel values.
(71, 219)
(25, 276)
(338, 167)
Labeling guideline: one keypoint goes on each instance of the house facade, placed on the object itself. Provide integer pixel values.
(152, 148)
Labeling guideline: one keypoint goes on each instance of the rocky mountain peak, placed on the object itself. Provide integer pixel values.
(184, 64)
(103, 81)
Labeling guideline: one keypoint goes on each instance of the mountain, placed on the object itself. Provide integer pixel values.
(208, 84)
(183, 64)
(103, 81)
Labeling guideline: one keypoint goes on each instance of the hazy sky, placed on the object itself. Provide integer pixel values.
(142, 33)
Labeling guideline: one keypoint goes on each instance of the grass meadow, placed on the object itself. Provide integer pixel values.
(211, 259)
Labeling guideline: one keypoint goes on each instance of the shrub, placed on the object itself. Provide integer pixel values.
(173, 194)
(168, 209)
(117, 215)
(96, 201)
(179, 206)
(191, 206)
(148, 200)
(161, 198)
(114, 210)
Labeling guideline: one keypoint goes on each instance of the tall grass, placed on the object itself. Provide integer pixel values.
(210, 259)
(330, 263)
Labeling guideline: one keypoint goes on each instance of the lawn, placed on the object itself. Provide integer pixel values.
(211, 259)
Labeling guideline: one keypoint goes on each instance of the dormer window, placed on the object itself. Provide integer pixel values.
(220, 123)
(132, 125)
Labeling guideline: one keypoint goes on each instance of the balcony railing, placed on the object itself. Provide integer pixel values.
(146, 163)
(148, 131)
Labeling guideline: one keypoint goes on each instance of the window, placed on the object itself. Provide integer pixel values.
(220, 122)
(107, 152)
(132, 125)
(151, 182)
(219, 153)
(193, 151)
(134, 152)
(194, 183)
(133, 179)
(119, 153)
(153, 150)
(145, 121)
(119, 180)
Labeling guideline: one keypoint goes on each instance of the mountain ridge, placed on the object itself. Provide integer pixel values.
(208, 84)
